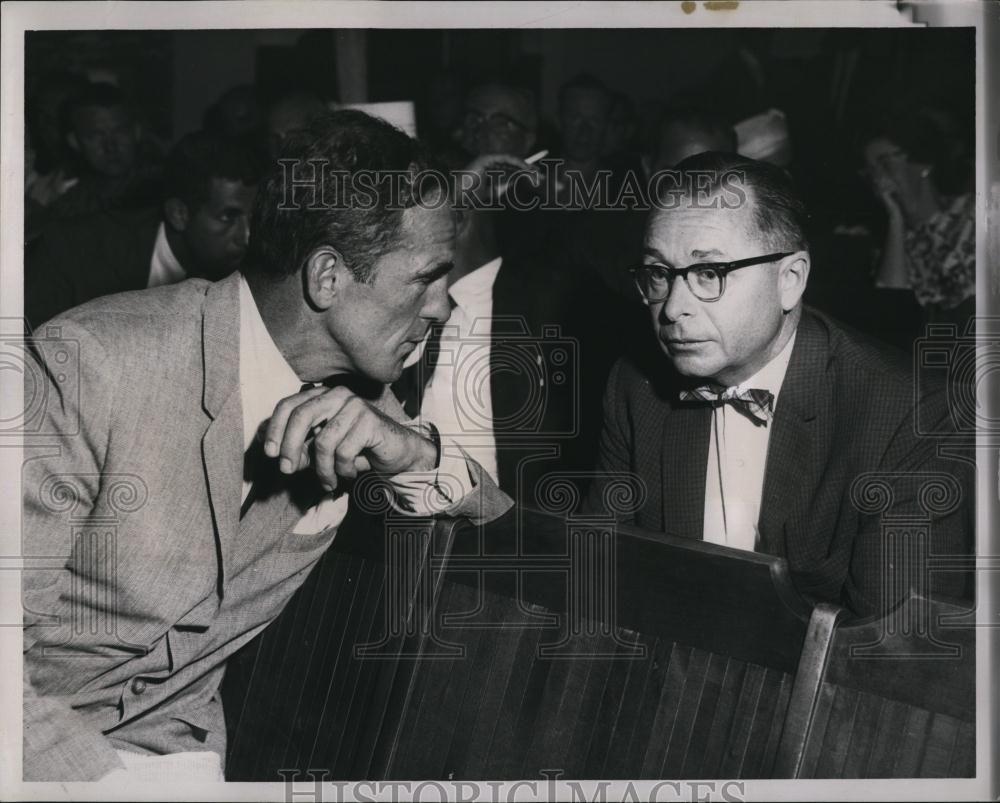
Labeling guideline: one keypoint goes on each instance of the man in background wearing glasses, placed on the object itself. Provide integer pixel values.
(499, 119)
(765, 412)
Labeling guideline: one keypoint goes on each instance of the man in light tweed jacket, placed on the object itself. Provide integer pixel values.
(759, 423)
(200, 466)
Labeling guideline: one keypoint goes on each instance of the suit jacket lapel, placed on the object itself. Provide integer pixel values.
(794, 454)
(686, 433)
(222, 444)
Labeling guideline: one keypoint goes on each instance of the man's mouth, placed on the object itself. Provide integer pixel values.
(682, 345)
(682, 341)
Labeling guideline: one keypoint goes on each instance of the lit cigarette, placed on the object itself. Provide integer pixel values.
(536, 157)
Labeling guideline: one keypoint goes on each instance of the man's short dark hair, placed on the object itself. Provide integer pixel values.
(101, 95)
(779, 216)
(284, 231)
(198, 158)
(587, 82)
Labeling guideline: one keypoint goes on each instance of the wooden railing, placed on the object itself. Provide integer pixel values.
(539, 642)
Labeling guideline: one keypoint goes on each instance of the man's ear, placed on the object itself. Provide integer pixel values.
(792, 277)
(72, 141)
(176, 213)
(324, 276)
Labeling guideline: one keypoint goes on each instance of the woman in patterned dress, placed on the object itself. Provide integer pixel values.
(920, 167)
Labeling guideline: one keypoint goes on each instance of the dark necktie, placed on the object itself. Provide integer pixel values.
(259, 468)
(755, 403)
(410, 386)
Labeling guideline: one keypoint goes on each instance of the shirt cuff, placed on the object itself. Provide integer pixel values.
(436, 492)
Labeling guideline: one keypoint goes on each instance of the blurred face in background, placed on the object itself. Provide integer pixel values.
(890, 170)
(583, 118)
(621, 127)
(497, 120)
(216, 232)
(106, 139)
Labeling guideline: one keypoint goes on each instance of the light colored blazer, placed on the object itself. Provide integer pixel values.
(145, 579)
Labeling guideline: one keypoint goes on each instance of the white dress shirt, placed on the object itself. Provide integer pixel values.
(266, 378)
(458, 398)
(737, 457)
(164, 268)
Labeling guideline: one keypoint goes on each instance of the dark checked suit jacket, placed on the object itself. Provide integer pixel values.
(846, 409)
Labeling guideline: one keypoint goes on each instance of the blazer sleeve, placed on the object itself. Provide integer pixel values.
(475, 495)
(614, 461)
(73, 380)
(924, 487)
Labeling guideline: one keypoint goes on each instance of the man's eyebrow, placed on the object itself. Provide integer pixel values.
(653, 252)
(435, 273)
(711, 252)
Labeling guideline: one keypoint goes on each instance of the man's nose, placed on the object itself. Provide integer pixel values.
(680, 303)
(438, 306)
(243, 232)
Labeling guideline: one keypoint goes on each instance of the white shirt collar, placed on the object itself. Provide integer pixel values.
(164, 267)
(772, 375)
(477, 285)
(265, 375)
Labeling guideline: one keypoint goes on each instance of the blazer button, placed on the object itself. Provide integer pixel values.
(138, 686)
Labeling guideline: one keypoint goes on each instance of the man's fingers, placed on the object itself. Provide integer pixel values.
(301, 422)
(339, 435)
(327, 443)
(275, 428)
(349, 450)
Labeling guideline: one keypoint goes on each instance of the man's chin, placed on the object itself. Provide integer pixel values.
(386, 374)
(690, 365)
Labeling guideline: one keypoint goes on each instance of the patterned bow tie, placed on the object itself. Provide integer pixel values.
(755, 403)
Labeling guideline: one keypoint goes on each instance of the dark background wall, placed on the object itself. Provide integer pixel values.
(174, 75)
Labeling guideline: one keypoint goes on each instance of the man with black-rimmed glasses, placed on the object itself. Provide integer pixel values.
(755, 418)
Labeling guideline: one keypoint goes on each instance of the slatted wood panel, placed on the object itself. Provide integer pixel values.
(504, 712)
(858, 735)
(687, 674)
(297, 697)
(896, 699)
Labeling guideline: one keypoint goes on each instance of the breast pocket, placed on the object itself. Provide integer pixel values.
(314, 525)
